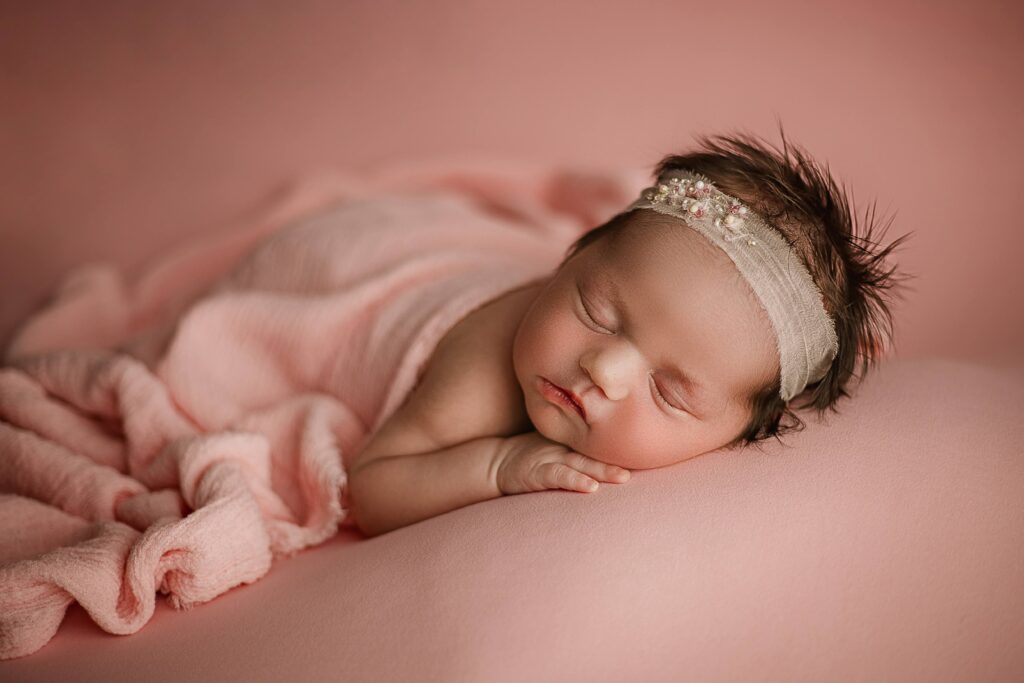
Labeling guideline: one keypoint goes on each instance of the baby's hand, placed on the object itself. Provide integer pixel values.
(530, 462)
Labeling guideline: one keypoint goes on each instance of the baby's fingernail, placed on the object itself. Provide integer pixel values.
(592, 486)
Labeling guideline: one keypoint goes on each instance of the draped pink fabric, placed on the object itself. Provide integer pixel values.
(178, 433)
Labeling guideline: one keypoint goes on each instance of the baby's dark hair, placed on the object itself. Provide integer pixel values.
(847, 261)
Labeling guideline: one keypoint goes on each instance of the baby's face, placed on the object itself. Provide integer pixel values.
(658, 335)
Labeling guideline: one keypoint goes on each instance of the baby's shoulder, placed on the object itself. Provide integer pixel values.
(468, 388)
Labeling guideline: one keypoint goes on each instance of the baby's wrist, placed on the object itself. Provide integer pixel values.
(494, 468)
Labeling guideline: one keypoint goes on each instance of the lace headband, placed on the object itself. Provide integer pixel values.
(804, 332)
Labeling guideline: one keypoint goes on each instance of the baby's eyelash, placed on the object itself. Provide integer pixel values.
(661, 398)
(586, 312)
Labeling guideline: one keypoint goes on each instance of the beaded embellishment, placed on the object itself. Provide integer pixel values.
(699, 198)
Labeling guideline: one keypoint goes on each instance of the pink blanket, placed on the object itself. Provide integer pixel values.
(178, 433)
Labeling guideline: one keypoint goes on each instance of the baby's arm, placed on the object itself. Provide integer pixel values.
(392, 491)
(421, 462)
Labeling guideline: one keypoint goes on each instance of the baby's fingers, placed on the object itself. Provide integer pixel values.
(556, 475)
(598, 470)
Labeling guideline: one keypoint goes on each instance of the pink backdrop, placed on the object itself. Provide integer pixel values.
(127, 127)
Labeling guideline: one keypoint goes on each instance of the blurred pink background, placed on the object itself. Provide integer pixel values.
(127, 127)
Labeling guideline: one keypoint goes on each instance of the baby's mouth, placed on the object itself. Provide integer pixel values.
(567, 397)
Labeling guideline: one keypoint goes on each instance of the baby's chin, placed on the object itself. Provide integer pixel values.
(564, 437)
(547, 426)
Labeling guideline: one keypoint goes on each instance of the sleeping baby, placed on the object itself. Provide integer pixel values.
(423, 343)
(730, 293)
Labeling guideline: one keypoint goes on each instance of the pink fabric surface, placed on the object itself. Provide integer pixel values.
(883, 545)
(195, 425)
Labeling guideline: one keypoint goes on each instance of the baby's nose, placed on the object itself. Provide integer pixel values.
(613, 368)
(615, 391)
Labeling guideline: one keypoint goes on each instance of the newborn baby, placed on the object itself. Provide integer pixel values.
(688, 322)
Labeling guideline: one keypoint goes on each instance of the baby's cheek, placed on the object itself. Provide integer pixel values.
(638, 442)
(552, 342)
(617, 438)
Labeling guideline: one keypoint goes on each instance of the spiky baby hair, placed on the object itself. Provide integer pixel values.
(846, 259)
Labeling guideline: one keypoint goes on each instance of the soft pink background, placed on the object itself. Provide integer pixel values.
(128, 127)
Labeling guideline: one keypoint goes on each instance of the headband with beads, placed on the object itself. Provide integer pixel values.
(805, 334)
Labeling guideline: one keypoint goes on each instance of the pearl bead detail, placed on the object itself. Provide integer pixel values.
(696, 197)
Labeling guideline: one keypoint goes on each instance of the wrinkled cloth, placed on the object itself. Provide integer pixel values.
(180, 432)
